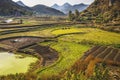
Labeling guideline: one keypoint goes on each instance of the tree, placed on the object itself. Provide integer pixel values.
(71, 16)
(77, 14)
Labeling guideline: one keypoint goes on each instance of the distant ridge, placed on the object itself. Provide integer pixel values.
(68, 7)
(10, 8)
(45, 10)
(21, 3)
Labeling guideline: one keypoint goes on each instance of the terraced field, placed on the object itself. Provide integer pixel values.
(59, 47)
(92, 36)
(101, 54)
(46, 54)
(15, 43)
(70, 30)
(69, 53)
(11, 63)
(107, 54)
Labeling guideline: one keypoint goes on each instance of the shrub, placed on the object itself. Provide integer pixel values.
(100, 72)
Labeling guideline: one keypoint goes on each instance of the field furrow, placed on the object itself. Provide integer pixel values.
(100, 50)
(113, 54)
(104, 53)
(118, 58)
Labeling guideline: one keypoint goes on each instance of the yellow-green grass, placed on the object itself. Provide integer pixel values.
(69, 53)
(91, 35)
(29, 22)
(42, 32)
(37, 33)
(84, 35)
(12, 64)
(49, 32)
(7, 29)
(71, 30)
(35, 22)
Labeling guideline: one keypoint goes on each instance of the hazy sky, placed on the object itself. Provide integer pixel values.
(51, 2)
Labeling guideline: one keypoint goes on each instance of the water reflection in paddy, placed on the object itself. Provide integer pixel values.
(11, 63)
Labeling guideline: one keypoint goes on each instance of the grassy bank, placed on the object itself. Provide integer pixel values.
(89, 36)
(69, 53)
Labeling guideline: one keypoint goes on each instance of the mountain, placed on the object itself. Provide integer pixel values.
(68, 7)
(80, 7)
(10, 8)
(45, 10)
(55, 6)
(104, 10)
(21, 3)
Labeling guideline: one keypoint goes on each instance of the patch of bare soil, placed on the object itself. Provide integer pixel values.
(46, 54)
(28, 45)
(17, 43)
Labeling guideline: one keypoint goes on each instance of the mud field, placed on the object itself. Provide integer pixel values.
(28, 45)
(17, 43)
(45, 53)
